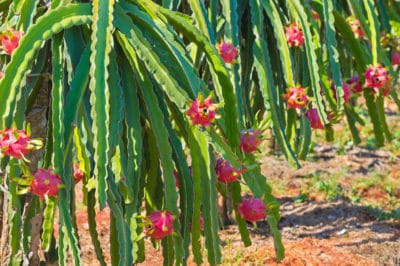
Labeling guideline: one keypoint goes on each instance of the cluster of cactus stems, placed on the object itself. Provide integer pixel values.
(140, 86)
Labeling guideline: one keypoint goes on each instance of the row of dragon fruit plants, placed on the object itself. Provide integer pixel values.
(205, 117)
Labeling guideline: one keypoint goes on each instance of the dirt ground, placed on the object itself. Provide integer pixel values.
(316, 229)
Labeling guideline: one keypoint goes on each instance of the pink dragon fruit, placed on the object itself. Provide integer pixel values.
(14, 142)
(225, 172)
(354, 84)
(356, 27)
(250, 139)
(296, 97)
(227, 51)
(313, 117)
(294, 35)
(252, 209)
(346, 91)
(395, 58)
(376, 77)
(78, 173)
(202, 111)
(10, 40)
(159, 224)
(45, 183)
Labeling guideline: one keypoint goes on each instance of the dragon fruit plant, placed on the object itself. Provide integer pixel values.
(10, 40)
(250, 140)
(131, 89)
(227, 51)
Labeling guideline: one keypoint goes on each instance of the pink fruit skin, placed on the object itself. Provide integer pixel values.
(395, 58)
(250, 139)
(202, 112)
(14, 143)
(313, 117)
(45, 182)
(294, 35)
(10, 41)
(376, 77)
(78, 173)
(252, 209)
(296, 97)
(159, 224)
(354, 84)
(227, 51)
(225, 172)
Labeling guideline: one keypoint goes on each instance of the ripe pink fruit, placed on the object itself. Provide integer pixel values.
(78, 173)
(250, 139)
(313, 117)
(294, 35)
(159, 224)
(14, 142)
(395, 58)
(225, 172)
(252, 209)
(45, 183)
(227, 51)
(202, 111)
(356, 27)
(354, 84)
(376, 77)
(10, 40)
(296, 97)
(1, 74)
